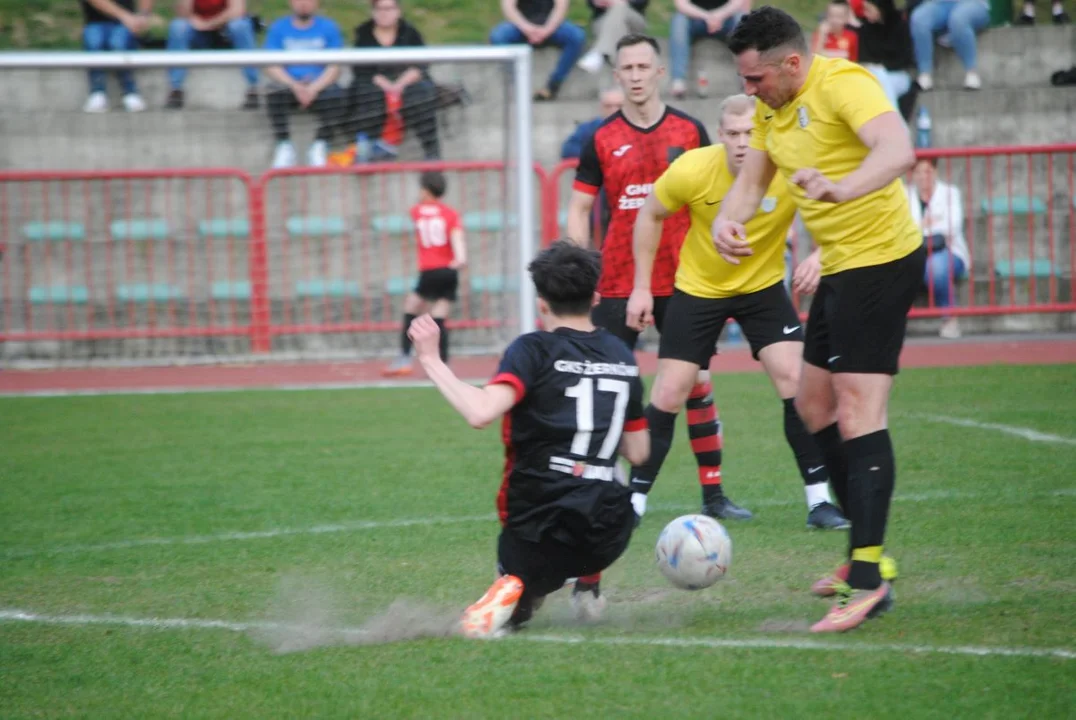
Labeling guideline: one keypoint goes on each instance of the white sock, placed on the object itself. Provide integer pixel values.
(817, 494)
(1058, 9)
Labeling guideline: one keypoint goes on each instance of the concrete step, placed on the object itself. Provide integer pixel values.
(1030, 115)
(1012, 57)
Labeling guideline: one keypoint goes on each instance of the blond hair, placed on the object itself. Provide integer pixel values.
(735, 105)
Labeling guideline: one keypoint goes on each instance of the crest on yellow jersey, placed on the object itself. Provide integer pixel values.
(802, 112)
(769, 204)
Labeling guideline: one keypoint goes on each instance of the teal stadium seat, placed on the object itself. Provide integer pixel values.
(230, 290)
(54, 230)
(319, 288)
(1023, 269)
(140, 229)
(494, 284)
(392, 224)
(400, 285)
(224, 227)
(487, 220)
(315, 225)
(149, 292)
(1020, 205)
(59, 294)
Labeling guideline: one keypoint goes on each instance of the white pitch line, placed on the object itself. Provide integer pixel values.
(359, 525)
(1021, 432)
(194, 389)
(762, 643)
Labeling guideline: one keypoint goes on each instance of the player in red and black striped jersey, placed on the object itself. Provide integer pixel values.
(571, 400)
(441, 253)
(625, 157)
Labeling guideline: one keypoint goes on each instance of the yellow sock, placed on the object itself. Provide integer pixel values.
(872, 554)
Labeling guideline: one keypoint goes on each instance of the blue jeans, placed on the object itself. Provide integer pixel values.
(181, 36)
(568, 37)
(940, 264)
(101, 37)
(682, 31)
(961, 19)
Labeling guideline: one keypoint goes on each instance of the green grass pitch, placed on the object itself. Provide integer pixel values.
(982, 527)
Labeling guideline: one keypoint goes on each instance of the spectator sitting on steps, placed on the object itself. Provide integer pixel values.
(611, 102)
(198, 24)
(885, 49)
(385, 93)
(539, 23)
(695, 19)
(611, 20)
(306, 87)
(113, 25)
(1057, 12)
(960, 20)
(834, 37)
(939, 210)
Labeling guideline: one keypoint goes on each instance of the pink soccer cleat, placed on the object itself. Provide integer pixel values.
(854, 608)
(828, 586)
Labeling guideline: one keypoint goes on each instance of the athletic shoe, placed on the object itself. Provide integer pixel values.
(251, 101)
(317, 155)
(854, 608)
(722, 508)
(592, 62)
(96, 103)
(972, 81)
(829, 585)
(175, 100)
(588, 602)
(487, 617)
(826, 516)
(284, 155)
(400, 366)
(133, 103)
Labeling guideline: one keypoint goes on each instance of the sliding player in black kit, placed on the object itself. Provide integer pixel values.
(571, 401)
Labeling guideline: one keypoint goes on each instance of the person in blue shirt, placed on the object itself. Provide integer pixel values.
(305, 87)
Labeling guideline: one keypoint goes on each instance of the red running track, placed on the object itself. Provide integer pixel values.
(927, 353)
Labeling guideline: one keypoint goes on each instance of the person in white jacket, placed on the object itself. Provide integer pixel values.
(938, 209)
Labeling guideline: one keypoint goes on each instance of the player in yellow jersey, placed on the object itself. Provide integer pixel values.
(825, 124)
(709, 291)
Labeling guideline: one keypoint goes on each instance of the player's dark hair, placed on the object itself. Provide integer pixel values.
(766, 29)
(433, 182)
(566, 276)
(632, 39)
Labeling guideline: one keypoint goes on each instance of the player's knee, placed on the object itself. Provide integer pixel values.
(671, 392)
(412, 304)
(858, 414)
(815, 411)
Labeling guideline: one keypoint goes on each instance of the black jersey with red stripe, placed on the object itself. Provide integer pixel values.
(626, 161)
(576, 394)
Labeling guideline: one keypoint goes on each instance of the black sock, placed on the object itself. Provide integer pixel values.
(662, 425)
(704, 430)
(405, 342)
(871, 477)
(809, 459)
(832, 447)
(444, 338)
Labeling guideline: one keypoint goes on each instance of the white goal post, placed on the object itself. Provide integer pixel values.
(518, 166)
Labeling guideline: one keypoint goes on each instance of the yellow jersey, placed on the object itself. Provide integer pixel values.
(700, 179)
(817, 129)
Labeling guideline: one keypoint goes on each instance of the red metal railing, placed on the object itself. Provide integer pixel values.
(216, 253)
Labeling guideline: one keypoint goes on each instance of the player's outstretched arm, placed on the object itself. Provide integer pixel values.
(741, 204)
(580, 207)
(479, 406)
(635, 446)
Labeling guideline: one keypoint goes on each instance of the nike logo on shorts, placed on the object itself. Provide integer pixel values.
(834, 359)
(812, 471)
(789, 330)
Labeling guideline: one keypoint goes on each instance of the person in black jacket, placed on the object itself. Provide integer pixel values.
(371, 85)
(885, 48)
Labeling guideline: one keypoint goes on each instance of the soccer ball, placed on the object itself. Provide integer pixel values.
(694, 552)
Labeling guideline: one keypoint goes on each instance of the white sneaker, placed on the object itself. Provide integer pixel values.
(318, 154)
(133, 102)
(950, 329)
(588, 606)
(591, 62)
(96, 103)
(487, 618)
(284, 155)
(678, 89)
(972, 81)
(925, 82)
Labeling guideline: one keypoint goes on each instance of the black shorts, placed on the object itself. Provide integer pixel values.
(858, 317)
(612, 314)
(694, 324)
(546, 565)
(439, 284)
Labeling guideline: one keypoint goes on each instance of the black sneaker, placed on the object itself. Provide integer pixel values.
(1061, 18)
(251, 100)
(722, 508)
(175, 100)
(826, 516)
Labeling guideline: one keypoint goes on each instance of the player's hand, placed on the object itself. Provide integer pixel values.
(426, 337)
(640, 309)
(808, 273)
(730, 239)
(818, 187)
